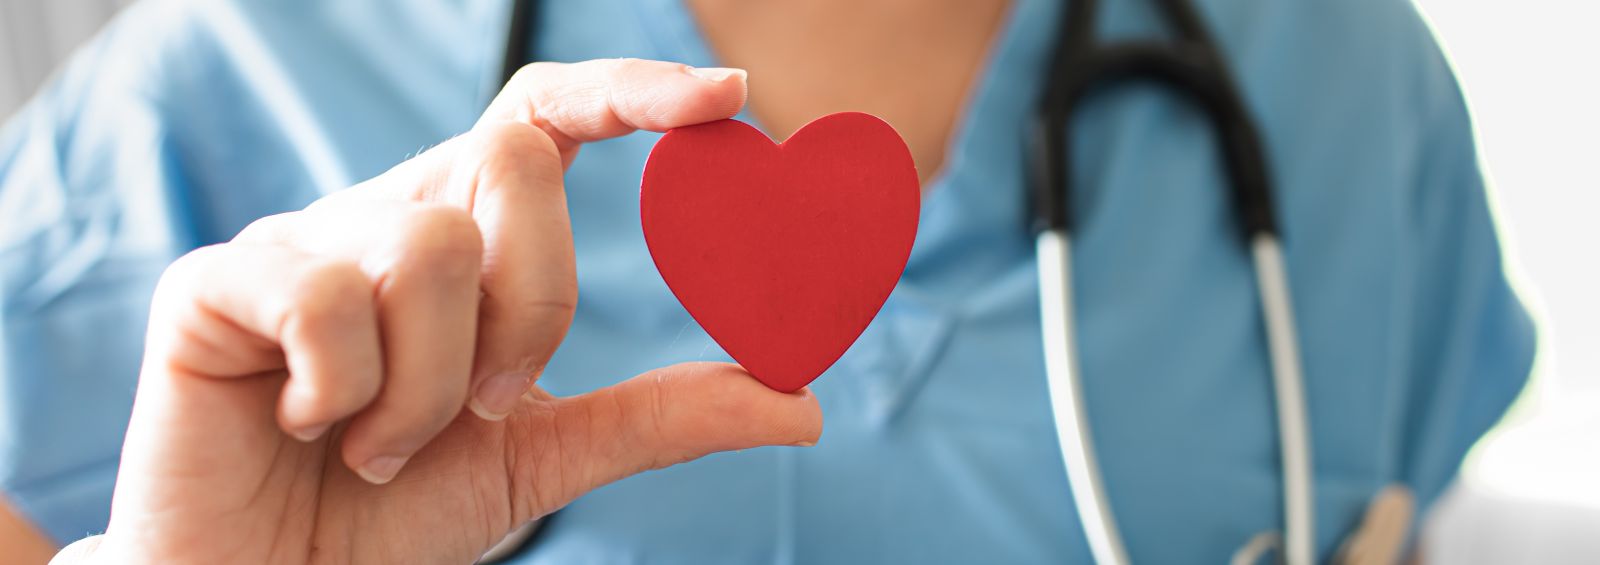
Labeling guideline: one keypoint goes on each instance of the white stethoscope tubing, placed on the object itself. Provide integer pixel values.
(1066, 400)
(1072, 422)
(1288, 383)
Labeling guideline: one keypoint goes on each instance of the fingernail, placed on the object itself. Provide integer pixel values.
(309, 433)
(381, 469)
(804, 444)
(497, 396)
(716, 74)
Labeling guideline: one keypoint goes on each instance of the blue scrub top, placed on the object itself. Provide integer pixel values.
(185, 121)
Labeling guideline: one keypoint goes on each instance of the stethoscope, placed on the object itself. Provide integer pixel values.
(1194, 66)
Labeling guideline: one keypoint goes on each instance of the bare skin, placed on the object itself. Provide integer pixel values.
(355, 382)
(20, 541)
(909, 62)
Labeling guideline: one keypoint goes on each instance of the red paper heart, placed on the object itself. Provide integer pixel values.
(783, 252)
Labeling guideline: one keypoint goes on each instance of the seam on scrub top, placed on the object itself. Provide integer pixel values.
(914, 376)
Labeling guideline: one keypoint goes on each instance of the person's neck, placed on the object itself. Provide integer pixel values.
(911, 62)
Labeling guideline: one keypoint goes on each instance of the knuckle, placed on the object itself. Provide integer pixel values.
(563, 305)
(622, 67)
(558, 307)
(648, 420)
(532, 72)
(184, 274)
(266, 229)
(438, 240)
(511, 150)
(329, 293)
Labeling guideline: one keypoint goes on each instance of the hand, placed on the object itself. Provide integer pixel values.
(303, 389)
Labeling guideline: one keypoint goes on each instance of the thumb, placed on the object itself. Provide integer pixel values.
(658, 419)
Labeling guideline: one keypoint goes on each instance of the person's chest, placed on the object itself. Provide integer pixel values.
(939, 444)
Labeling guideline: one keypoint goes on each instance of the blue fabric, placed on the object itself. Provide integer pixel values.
(184, 121)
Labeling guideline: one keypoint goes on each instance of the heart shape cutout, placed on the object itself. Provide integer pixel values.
(784, 253)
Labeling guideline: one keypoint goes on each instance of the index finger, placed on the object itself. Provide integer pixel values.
(508, 175)
(581, 102)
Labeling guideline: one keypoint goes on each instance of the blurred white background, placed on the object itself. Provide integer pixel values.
(36, 34)
(1530, 492)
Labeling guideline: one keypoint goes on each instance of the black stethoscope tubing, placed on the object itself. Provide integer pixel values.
(1192, 64)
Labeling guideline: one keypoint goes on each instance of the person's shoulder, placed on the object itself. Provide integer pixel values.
(1379, 35)
(1394, 27)
(171, 43)
(161, 44)
(1379, 56)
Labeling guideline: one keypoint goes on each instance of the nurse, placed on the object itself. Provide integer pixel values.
(265, 157)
